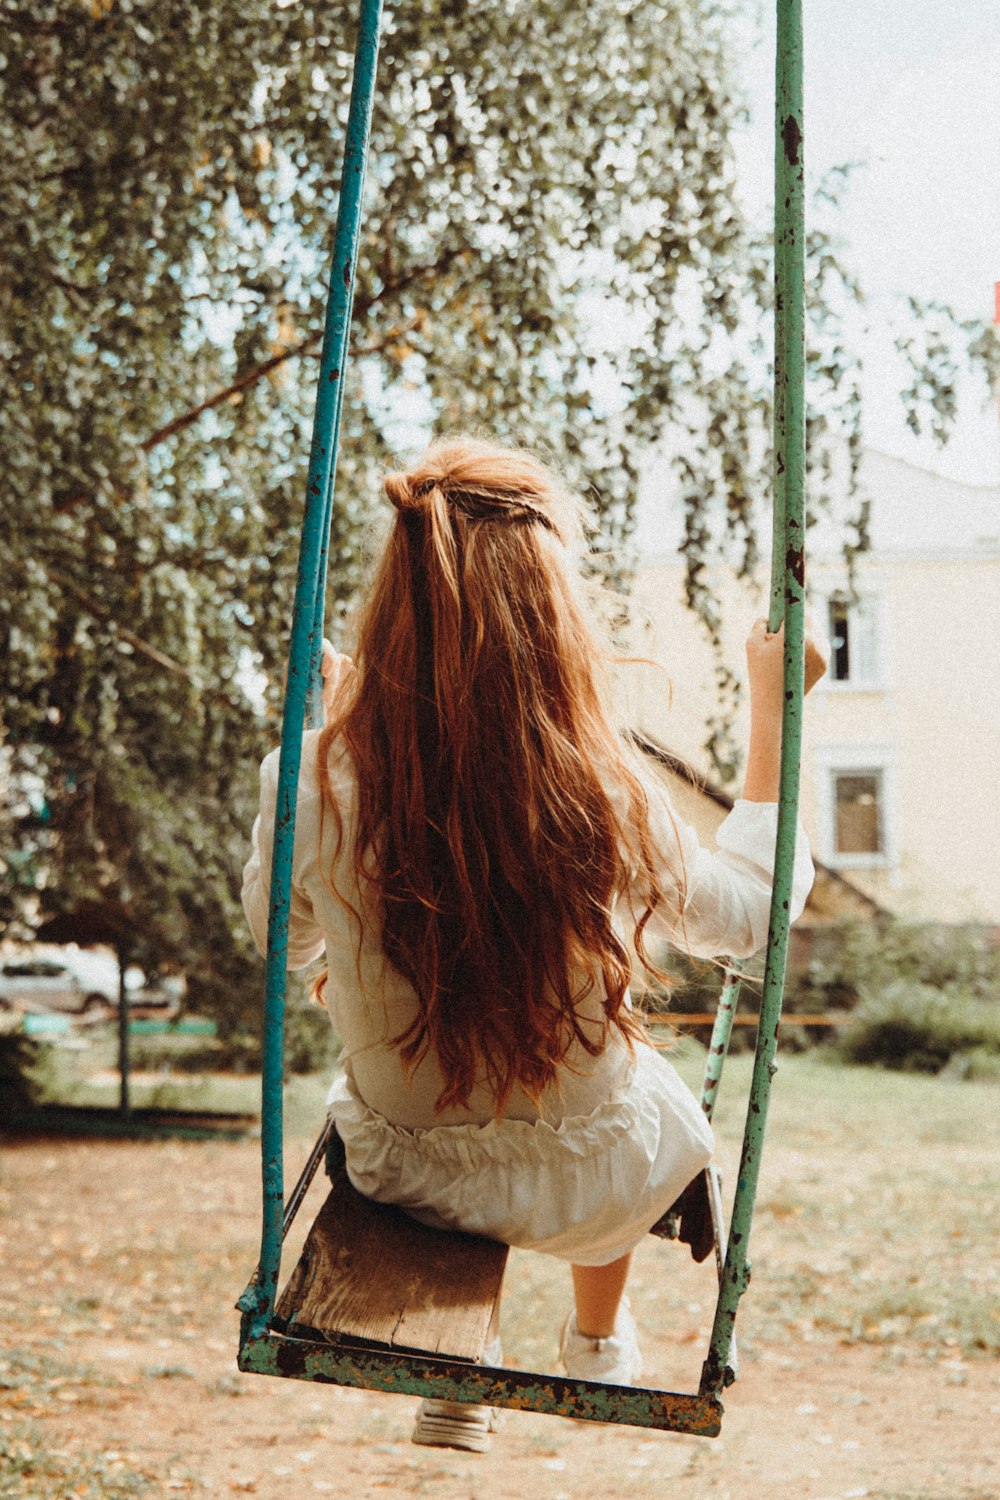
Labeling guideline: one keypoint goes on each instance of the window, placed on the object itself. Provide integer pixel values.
(859, 819)
(854, 640)
(857, 807)
(33, 968)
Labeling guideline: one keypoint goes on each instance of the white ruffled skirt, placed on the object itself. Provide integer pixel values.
(587, 1190)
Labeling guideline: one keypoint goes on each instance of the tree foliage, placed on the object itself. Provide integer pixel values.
(168, 193)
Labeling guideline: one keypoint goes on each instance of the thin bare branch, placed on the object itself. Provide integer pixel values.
(246, 380)
(308, 346)
(106, 616)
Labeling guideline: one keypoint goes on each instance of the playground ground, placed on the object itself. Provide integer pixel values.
(870, 1338)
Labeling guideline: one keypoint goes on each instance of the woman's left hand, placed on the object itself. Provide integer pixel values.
(337, 671)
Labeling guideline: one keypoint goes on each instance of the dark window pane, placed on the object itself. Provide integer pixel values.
(840, 664)
(858, 813)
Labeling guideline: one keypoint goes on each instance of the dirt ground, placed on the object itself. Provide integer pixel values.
(870, 1338)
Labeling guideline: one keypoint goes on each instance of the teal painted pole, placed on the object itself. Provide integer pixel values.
(787, 598)
(722, 1030)
(258, 1300)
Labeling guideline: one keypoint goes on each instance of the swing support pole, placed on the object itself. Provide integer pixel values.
(787, 601)
(257, 1302)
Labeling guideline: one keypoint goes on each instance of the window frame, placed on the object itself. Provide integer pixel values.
(875, 601)
(833, 761)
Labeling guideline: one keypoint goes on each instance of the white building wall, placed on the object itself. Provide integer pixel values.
(924, 721)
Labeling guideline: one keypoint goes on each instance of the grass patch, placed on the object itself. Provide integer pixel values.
(32, 1468)
(167, 1372)
(36, 1377)
(878, 1210)
(929, 1495)
(211, 1093)
(814, 1094)
(934, 1321)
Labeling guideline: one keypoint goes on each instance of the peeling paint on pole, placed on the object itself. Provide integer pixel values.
(306, 643)
(787, 603)
(722, 1030)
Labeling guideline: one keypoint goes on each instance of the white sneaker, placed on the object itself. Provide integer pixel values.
(615, 1360)
(459, 1424)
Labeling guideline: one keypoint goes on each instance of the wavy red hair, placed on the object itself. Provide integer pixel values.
(499, 817)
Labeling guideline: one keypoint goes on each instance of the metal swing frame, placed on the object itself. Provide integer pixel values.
(265, 1347)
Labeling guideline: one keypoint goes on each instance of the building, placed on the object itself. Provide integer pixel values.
(903, 734)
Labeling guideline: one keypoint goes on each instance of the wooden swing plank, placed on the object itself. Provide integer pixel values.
(369, 1271)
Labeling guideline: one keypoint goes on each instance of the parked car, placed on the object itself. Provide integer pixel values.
(79, 980)
(161, 995)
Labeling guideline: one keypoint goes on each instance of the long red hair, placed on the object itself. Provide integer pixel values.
(499, 820)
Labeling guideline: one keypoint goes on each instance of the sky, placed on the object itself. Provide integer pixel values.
(911, 90)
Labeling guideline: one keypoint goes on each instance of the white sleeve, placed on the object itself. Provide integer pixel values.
(719, 902)
(305, 936)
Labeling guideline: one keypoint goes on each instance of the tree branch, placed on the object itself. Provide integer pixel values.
(258, 372)
(106, 616)
(248, 378)
(307, 346)
(98, 612)
(81, 295)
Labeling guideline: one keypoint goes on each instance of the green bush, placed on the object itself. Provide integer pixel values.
(921, 997)
(980, 1065)
(26, 1071)
(920, 1028)
(852, 958)
(311, 1045)
(239, 1052)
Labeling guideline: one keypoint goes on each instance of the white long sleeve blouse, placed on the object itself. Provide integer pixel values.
(718, 901)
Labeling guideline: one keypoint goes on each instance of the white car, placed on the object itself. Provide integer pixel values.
(75, 979)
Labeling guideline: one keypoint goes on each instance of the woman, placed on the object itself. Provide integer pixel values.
(483, 860)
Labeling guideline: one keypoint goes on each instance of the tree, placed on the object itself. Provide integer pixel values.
(168, 195)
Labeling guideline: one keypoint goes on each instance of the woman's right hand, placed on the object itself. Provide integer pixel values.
(817, 653)
(766, 667)
(766, 671)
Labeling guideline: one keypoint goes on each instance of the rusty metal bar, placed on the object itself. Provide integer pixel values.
(788, 564)
(304, 648)
(306, 1176)
(722, 1030)
(453, 1380)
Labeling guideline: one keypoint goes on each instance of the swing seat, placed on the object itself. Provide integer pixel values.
(372, 1274)
(381, 1302)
